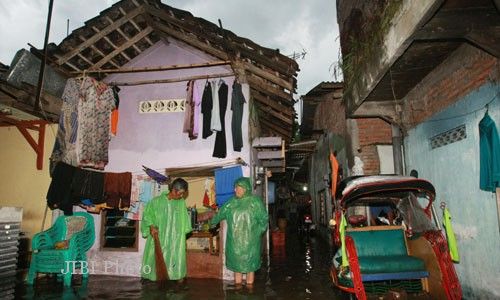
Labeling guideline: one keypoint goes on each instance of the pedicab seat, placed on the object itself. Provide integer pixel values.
(67, 241)
(382, 255)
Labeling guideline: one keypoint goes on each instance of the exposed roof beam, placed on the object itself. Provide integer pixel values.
(137, 27)
(63, 59)
(124, 46)
(125, 36)
(190, 40)
(268, 109)
(267, 88)
(215, 38)
(162, 68)
(268, 75)
(276, 105)
(276, 129)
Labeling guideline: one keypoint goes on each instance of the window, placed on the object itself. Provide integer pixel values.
(117, 232)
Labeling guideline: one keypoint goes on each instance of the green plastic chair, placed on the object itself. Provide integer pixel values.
(79, 233)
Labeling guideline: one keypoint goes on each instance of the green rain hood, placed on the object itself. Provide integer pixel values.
(172, 220)
(246, 219)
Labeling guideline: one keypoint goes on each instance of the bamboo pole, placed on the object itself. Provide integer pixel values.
(170, 80)
(158, 68)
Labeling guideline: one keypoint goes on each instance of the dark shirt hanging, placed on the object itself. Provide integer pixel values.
(59, 193)
(87, 185)
(237, 104)
(206, 110)
(220, 150)
(489, 155)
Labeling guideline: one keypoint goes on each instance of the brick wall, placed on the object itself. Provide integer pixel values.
(372, 132)
(463, 71)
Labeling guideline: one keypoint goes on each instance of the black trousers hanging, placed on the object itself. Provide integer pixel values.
(237, 104)
(206, 110)
(220, 150)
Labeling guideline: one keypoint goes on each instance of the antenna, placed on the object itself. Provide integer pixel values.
(298, 55)
(67, 27)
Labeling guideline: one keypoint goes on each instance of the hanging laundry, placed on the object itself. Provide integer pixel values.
(220, 150)
(237, 103)
(147, 191)
(215, 124)
(117, 189)
(114, 113)
(206, 110)
(87, 184)
(135, 212)
(224, 183)
(59, 193)
(136, 206)
(65, 145)
(450, 236)
(335, 173)
(489, 155)
(188, 126)
(94, 109)
(197, 109)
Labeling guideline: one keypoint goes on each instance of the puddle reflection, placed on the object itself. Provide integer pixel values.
(297, 270)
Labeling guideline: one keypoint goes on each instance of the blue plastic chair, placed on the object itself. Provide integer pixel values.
(78, 232)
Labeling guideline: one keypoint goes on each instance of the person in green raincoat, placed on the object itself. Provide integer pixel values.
(247, 220)
(167, 214)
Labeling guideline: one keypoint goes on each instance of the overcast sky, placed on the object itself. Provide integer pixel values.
(288, 25)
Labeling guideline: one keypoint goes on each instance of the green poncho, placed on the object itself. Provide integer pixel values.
(172, 220)
(246, 222)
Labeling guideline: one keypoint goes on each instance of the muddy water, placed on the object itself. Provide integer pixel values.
(297, 271)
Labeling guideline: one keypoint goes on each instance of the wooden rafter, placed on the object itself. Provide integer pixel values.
(277, 105)
(160, 68)
(63, 59)
(171, 80)
(190, 41)
(261, 86)
(276, 114)
(84, 58)
(214, 37)
(124, 46)
(131, 21)
(23, 126)
(269, 76)
(277, 129)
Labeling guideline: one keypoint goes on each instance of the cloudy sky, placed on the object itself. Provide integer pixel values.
(288, 25)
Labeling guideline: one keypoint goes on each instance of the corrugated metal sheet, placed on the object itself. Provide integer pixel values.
(25, 67)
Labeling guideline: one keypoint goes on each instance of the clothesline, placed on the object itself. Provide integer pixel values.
(156, 69)
(170, 80)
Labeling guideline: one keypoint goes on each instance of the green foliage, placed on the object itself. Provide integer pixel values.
(365, 42)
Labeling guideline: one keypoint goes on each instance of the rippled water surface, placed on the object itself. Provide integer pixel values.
(297, 271)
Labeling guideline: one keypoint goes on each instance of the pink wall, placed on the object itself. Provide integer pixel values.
(156, 140)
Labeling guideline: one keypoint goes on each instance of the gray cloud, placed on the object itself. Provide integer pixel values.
(291, 26)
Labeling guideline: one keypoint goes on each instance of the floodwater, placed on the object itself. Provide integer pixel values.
(297, 271)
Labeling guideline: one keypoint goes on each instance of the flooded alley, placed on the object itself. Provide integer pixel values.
(297, 271)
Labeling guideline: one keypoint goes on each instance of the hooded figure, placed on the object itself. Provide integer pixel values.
(167, 216)
(247, 220)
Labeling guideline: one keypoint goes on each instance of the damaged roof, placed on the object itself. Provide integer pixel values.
(129, 27)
